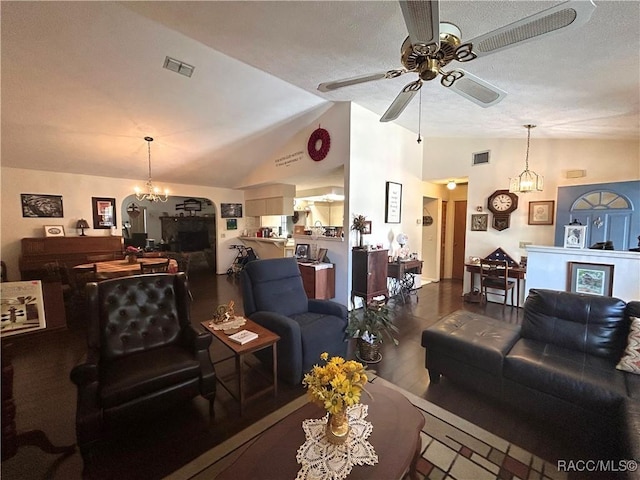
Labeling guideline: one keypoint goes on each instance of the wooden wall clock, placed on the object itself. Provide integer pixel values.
(502, 203)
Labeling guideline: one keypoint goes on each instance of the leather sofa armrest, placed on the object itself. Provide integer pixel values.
(198, 340)
(87, 370)
(328, 307)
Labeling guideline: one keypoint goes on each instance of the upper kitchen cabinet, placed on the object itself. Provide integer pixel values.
(269, 206)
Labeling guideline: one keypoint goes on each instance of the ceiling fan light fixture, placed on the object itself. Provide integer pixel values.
(528, 180)
(151, 192)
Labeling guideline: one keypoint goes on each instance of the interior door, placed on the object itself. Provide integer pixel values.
(443, 237)
(459, 236)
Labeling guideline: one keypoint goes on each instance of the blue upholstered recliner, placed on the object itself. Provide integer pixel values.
(274, 297)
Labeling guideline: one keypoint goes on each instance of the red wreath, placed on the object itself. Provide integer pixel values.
(318, 154)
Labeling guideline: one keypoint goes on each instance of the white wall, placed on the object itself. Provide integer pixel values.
(604, 161)
(76, 191)
(382, 152)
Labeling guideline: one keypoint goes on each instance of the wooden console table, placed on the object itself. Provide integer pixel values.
(401, 275)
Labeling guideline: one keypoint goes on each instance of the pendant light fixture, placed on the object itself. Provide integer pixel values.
(152, 194)
(528, 180)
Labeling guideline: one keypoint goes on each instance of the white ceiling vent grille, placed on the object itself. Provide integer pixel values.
(178, 66)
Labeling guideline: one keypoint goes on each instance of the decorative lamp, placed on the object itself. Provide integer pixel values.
(528, 180)
(451, 185)
(152, 193)
(81, 225)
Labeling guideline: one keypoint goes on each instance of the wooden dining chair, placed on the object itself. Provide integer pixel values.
(494, 275)
(155, 267)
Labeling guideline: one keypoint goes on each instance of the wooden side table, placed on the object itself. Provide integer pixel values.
(266, 338)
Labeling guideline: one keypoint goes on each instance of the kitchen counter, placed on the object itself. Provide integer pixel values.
(273, 247)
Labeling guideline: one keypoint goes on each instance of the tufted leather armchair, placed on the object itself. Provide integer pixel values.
(274, 297)
(143, 354)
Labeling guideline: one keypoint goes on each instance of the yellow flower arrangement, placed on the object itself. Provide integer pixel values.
(336, 385)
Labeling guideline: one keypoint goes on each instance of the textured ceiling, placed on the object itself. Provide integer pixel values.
(82, 82)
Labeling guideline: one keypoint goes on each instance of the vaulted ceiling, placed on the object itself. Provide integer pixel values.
(83, 83)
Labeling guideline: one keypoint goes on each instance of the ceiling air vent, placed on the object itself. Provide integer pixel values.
(178, 66)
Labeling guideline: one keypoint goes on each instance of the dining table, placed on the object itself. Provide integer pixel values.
(123, 268)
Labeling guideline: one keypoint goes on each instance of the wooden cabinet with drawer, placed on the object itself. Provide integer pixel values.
(319, 280)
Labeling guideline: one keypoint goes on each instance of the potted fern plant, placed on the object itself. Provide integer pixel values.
(369, 326)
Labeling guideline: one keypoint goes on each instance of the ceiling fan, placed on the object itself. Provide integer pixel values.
(432, 45)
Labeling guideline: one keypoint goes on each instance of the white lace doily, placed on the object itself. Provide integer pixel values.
(322, 460)
(235, 322)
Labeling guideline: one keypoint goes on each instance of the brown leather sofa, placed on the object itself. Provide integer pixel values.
(143, 355)
(559, 365)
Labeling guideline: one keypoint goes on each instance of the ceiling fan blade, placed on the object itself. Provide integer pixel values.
(401, 101)
(345, 82)
(473, 88)
(423, 24)
(565, 16)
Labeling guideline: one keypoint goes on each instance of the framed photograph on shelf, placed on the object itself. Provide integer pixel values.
(541, 213)
(479, 222)
(36, 205)
(590, 278)
(104, 212)
(302, 251)
(53, 231)
(231, 210)
(575, 236)
(393, 203)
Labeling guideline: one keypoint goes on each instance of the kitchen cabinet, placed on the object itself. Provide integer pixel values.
(319, 280)
(269, 206)
(369, 274)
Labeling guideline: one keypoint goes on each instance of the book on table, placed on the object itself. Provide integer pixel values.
(243, 336)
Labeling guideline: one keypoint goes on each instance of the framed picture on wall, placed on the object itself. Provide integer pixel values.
(479, 222)
(541, 213)
(104, 212)
(231, 210)
(590, 278)
(393, 203)
(37, 205)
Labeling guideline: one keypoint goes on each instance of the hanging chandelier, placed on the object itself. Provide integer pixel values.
(152, 194)
(527, 181)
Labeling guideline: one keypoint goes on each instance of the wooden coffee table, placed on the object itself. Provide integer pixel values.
(266, 338)
(395, 438)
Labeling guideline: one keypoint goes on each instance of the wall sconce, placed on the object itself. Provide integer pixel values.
(451, 185)
(81, 225)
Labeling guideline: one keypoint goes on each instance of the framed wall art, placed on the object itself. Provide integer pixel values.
(54, 231)
(232, 223)
(231, 210)
(104, 212)
(393, 203)
(36, 205)
(479, 222)
(590, 278)
(366, 230)
(575, 236)
(21, 307)
(541, 213)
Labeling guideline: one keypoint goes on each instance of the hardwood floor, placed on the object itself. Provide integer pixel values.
(45, 397)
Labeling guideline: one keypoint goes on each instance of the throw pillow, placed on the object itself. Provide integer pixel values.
(630, 361)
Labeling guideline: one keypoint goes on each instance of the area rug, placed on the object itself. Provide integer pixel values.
(452, 448)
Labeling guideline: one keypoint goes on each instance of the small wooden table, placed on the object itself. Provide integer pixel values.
(395, 438)
(122, 268)
(401, 275)
(266, 338)
(518, 273)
